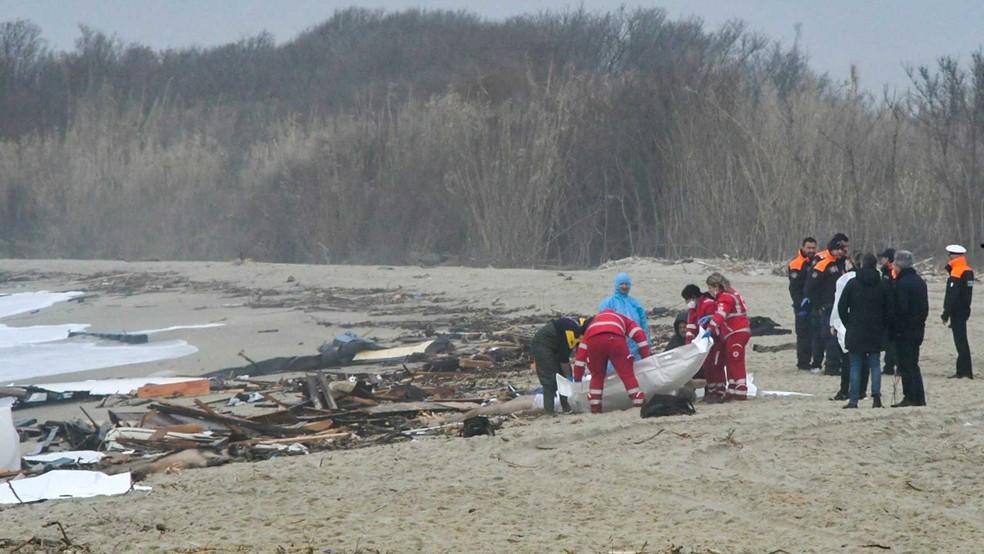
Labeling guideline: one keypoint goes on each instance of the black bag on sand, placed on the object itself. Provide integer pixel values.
(477, 425)
(660, 405)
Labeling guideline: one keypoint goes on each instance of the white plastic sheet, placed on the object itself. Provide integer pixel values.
(392, 353)
(63, 483)
(9, 441)
(78, 456)
(662, 373)
(105, 387)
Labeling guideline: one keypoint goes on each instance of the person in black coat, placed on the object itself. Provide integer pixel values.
(910, 310)
(679, 337)
(865, 308)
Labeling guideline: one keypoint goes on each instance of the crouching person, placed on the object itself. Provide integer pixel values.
(551, 347)
(604, 340)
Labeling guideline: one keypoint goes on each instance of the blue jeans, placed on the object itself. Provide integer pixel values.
(857, 362)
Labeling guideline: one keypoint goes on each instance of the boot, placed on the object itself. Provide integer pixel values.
(850, 406)
(841, 395)
(876, 401)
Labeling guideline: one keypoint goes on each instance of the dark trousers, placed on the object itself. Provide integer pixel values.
(845, 386)
(547, 369)
(819, 333)
(890, 358)
(964, 366)
(804, 341)
(832, 358)
(907, 355)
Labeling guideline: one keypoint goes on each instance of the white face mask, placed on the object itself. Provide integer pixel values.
(692, 304)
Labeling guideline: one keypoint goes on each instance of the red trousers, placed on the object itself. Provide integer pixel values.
(726, 375)
(602, 349)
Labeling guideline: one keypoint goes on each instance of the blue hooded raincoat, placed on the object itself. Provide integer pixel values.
(629, 307)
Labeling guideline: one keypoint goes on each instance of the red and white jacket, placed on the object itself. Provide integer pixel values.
(706, 305)
(605, 323)
(731, 315)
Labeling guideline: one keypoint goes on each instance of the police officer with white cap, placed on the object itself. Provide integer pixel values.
(956, 306)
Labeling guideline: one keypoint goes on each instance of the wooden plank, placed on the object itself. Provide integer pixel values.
(329, 400)
(311, 384)
(391, 353)
(398, 407)
(198, 387)
(306, 439)
(17, 392)
(319, 426)
(468, 363)
(230, 421)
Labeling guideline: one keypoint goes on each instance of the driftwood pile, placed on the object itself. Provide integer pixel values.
(247, 418)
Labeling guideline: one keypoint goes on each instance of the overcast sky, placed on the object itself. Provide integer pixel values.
(880, 36)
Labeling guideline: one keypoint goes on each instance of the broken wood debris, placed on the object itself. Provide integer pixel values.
(278, 411)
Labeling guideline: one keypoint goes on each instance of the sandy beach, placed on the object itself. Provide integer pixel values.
(769, 475)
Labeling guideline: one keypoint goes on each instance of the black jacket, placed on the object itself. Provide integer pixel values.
(959, 293)
(559, 336)
(821, 283)
(911, 307)
(797, 270)
(865, 307)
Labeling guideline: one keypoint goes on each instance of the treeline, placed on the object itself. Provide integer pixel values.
(559, 138)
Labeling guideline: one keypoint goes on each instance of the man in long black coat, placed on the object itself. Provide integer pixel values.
(908, 328)
(865, 307)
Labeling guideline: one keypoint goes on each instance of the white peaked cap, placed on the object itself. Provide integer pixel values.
(956, 249)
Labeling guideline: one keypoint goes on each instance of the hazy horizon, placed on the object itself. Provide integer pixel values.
(880, 37)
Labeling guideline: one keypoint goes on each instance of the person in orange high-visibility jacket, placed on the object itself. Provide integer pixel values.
(730, 326)
(797, 270)
(603, 341)
(956, 306)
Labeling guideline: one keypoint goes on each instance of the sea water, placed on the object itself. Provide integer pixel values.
(43, 350)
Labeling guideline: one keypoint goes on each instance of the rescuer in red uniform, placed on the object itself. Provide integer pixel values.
(729, 325)
(604, 341)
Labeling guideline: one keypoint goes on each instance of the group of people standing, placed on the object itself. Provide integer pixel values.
(849, 311)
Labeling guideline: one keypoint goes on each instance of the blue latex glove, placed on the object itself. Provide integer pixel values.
(705, 334)
(804, 308)
(703, 321)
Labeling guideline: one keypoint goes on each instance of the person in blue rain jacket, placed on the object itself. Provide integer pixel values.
(624, 304)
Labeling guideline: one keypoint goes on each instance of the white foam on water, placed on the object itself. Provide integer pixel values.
(41, 350)
(23, 302)
(14, 336)
(30, 361)
(178, 328)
